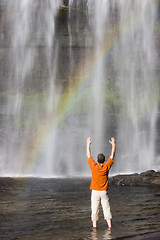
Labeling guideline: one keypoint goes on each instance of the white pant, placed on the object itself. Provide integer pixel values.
(96, 198)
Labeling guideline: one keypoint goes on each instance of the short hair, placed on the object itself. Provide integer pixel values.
(101, 158)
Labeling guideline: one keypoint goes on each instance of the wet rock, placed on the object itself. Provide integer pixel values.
(149, 173)
(148, 178)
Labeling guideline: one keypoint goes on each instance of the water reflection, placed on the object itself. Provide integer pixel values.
(105, 236)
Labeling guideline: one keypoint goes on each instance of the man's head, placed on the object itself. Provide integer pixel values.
(101, 158)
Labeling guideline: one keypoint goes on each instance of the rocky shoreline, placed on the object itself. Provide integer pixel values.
(148, 178)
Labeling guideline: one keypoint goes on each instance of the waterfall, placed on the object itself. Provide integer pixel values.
(80, 68)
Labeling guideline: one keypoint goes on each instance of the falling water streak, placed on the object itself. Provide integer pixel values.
(23, 58)
(45, 168)
(136, 85)
(52, 49)
(98, 24)
(21, 66)
(72, 31)
(70, 4)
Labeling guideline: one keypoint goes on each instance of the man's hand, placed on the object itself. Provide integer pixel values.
(88, 151)
(89, 140)
(113, 143)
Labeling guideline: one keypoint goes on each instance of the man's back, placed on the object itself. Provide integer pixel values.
(99, 174)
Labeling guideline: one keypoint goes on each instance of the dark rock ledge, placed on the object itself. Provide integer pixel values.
(148, 178)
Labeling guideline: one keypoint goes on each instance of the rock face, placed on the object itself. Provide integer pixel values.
(148, 178)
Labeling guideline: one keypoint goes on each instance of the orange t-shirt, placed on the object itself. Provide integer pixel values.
(99, 174)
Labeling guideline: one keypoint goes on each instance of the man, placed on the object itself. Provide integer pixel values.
(99, 183)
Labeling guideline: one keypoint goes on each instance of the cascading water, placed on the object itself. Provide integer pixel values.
(31, 91)
(92, 76)
(137, 83)
(96, 111)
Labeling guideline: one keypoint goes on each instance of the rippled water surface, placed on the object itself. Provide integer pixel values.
(60, 209)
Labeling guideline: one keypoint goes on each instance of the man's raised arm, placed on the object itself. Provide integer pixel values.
(113, 143)
(88, 150)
